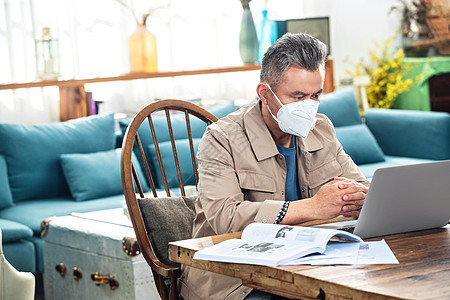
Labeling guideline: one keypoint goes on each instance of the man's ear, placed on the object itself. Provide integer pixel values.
(262, 90)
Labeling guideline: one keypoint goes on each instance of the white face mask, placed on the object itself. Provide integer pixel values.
(296, 118)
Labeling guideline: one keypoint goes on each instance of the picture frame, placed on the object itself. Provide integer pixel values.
(318, 27)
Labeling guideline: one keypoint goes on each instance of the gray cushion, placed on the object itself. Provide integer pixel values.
(167, 220)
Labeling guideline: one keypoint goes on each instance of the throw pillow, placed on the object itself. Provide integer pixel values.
(96, 175)
(168, 159)
(341, 107)
(5, 192)
(167, 220)
(360, 144)
(32, 152)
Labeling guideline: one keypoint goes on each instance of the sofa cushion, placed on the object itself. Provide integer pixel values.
(184, 158)
(421, 134)
(97, 174)
(390, 161)
(198, 127)
(21, 255)
(162, 228)
(341, 107)
(13, 231)
(32, 212)
(360, 144)
(5, 192)
(33, 152)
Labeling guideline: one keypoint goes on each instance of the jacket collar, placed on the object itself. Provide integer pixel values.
(261, 140)
(258, 134)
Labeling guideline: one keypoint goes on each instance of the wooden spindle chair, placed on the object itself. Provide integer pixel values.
(132, 143)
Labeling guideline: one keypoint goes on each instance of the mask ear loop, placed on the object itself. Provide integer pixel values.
(277, 100)
(276, 97)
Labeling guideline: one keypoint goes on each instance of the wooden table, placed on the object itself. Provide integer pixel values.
(423, 271)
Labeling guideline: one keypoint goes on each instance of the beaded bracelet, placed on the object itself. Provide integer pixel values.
(282, 212)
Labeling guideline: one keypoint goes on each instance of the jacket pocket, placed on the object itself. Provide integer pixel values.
(324, 174)
(253, 181)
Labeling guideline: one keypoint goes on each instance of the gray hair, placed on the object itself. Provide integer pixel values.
(300, 49)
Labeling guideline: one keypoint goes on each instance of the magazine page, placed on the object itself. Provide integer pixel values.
(294, 235)
(253, 252)
(271, 244)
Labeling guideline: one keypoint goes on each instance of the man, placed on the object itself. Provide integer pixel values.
(254, 163)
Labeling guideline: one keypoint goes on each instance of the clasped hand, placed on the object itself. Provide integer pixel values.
(340, 196)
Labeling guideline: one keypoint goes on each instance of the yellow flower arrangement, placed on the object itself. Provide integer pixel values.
(387, 73)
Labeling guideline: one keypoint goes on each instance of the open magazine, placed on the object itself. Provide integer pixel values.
(273, 244)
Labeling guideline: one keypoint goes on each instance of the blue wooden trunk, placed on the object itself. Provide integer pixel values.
(85, 258)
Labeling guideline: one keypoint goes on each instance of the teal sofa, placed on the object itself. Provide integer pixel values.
(386, 137)
(55, 169)
(35, 185)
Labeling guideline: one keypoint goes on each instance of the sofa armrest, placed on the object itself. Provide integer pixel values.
(421, 134)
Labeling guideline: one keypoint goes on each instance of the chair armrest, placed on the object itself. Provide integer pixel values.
(421, 134)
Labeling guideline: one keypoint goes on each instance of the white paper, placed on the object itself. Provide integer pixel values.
(364, 253)
(371, 253)
(336, 253)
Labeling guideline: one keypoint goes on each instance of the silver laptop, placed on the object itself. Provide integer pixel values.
(402, 199)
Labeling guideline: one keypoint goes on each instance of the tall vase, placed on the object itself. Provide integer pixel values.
(267, 34)
(142, 50)
(248, 40)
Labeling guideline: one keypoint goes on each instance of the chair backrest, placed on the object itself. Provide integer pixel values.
(144, 212)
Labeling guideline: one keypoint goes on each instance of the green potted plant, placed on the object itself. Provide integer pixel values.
(387, 72)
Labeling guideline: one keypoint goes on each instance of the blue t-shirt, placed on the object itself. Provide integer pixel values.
(292, 189)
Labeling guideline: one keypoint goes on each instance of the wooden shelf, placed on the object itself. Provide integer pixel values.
(72, 94)
(73, 98)
(124, 77)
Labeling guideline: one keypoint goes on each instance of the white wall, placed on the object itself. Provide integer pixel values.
(354, 24)
(191, 34)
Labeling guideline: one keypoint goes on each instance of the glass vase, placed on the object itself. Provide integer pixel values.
(47, 56)
(267, 34)
(248, 40)
(142, 50)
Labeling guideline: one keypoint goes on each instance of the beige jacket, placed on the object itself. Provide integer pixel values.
(242, 180)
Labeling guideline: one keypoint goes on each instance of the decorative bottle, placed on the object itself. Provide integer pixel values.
(47, 56)
(142, 50)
